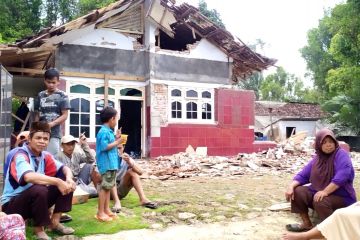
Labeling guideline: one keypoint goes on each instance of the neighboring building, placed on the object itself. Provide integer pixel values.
(166, 68)
(286, 119)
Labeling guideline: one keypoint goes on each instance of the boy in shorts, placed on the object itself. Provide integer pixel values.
(108, 161)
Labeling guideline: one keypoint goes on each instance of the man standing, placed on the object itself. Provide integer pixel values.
(52, 106)
(35, 181)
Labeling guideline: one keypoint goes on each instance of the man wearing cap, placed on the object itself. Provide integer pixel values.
(35, 181)
(73, 155)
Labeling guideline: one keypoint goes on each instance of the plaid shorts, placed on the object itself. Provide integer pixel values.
(108, 179)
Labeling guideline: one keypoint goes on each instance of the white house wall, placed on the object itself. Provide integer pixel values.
(309, 126)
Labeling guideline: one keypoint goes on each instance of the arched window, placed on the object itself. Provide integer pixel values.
(176, 93)
(192, 94)
(176, 110)
(99, 105)
(206, 111)
(101, 90)
(79, 117)
(79, 89)
(130, 92)
(206, 94)
(191, 110)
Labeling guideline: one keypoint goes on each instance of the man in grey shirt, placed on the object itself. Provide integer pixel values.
(52, 106)
(73, 155)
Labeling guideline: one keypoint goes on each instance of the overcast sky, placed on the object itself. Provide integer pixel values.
(281, 24)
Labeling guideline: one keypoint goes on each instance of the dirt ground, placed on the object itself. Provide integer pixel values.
(218, 208)
(233, 208)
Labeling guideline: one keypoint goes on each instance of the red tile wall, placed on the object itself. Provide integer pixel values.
(234, 112)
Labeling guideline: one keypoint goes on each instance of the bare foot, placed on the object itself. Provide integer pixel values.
(294, 236)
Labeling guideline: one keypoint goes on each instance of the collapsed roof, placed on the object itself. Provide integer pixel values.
(36, 52)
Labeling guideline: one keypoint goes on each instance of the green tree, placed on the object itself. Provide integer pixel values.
(212, 14)
(19, 18)
(252, 83)
(85, 6)
(332, 55)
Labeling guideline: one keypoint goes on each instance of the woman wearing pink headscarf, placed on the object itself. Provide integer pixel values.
(330, 176)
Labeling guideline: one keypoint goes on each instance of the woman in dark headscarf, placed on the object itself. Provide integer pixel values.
(330, 174)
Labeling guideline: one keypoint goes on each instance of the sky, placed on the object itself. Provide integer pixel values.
(281, 24)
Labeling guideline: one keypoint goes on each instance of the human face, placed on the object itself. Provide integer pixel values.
(52, 84)
(328, 145)
(113, 121)
(68, 148)
(39, 142)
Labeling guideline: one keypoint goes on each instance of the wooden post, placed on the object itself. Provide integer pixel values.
(106, 90)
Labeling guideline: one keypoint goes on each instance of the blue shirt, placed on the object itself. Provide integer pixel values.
(22, 162)
(106, 159)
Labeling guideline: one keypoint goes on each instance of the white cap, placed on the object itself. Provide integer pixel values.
(68, 138)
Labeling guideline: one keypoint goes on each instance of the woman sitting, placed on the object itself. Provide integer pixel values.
(330, 174)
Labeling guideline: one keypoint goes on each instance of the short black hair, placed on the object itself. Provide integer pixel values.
(39, 127)
(51, 73)
(107, 113)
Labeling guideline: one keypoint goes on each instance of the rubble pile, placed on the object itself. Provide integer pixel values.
(190, 164)
(287, 157)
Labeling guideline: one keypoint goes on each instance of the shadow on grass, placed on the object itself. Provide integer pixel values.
(85, 224)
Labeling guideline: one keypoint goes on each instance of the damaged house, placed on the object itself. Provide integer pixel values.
(167, 69)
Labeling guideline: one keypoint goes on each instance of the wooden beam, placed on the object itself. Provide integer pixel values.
(76, 74)
(106, 90)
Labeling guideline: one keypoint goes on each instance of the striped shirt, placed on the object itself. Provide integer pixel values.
(24, 161)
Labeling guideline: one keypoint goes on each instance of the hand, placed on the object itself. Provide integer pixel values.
(64, 187)
(118, 133)
(125, 157)
(289, 194)
(82, 139)
(72, 184)
(320, 195)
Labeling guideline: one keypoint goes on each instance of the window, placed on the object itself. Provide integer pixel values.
(176, 93)
(206, 94)
(206, 111)
(101, 90)
(191, 110)
(99, 105)
(130, 92)
(191, 104)
(79, 89)
(79, 117)
(176, 110)
(192, 94)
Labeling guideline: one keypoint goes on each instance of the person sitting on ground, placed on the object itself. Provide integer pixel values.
(73, 155)
(330, 174)
(35, 181)
(12, 227)
(128, 177)
(342, 224)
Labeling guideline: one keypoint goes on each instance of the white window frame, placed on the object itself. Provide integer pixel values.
(184, 100)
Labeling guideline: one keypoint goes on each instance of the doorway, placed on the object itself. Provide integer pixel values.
(290, 131)
(130, 124)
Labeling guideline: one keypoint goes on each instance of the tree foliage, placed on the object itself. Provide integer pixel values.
(212, 14)
(332, 55)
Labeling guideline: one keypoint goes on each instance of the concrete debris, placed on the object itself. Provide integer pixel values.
(186, 215)
(275, 161)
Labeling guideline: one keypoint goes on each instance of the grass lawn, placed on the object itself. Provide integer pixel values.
(85, 224)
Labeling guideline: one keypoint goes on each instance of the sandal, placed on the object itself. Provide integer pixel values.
(62, 230)
(65, 218)
(151, 205)
(103, 219)
(295, 227)
(113, 216)
(116, 209)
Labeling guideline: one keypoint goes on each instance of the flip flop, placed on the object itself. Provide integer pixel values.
(103, 219)
(151, 205)
(295, 227)
(116, 209)
(113, 216)
(65, 218)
